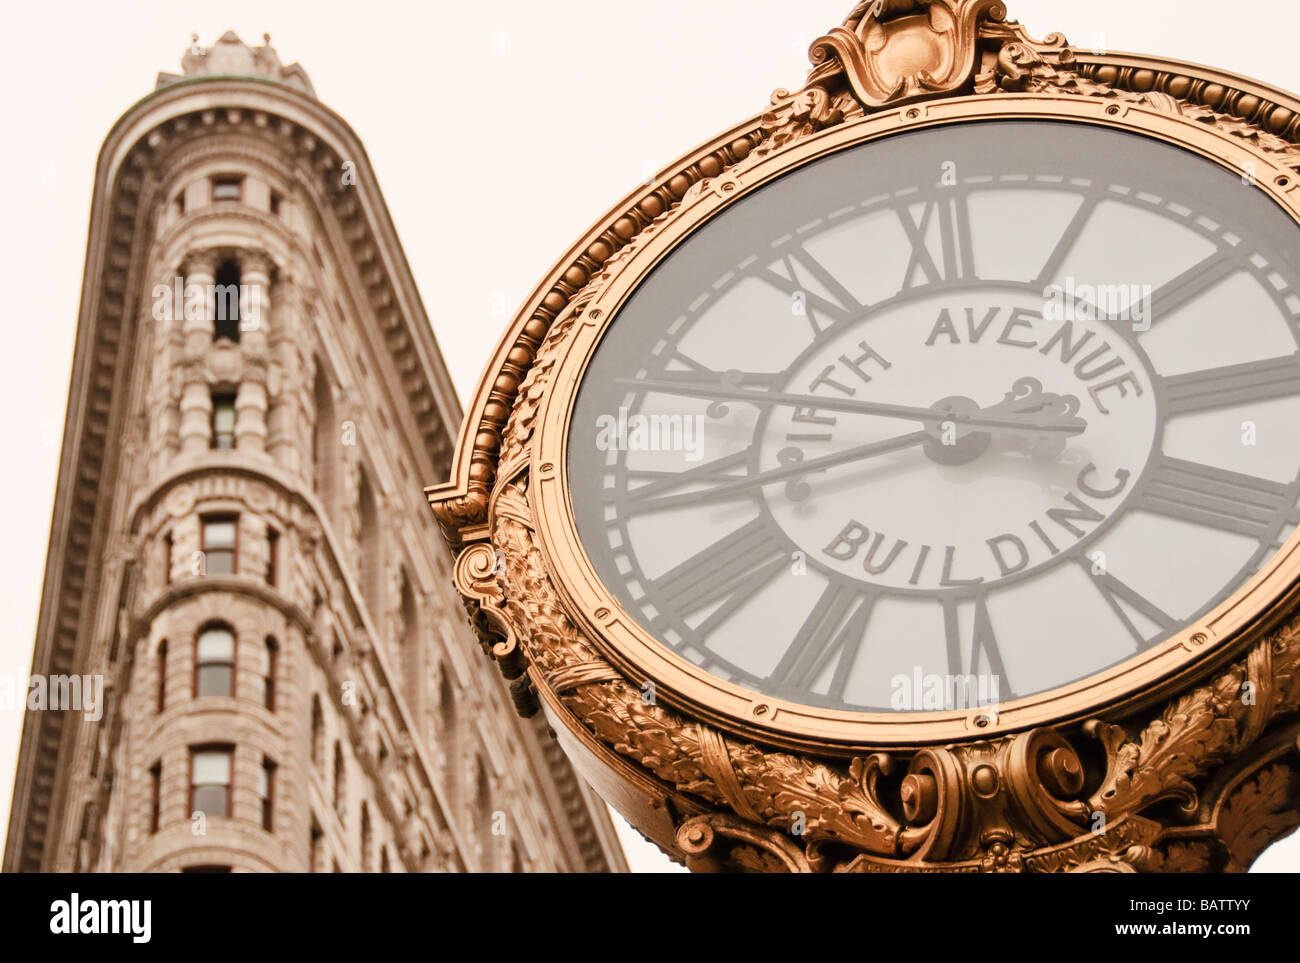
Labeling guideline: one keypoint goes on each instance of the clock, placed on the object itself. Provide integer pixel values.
(998, 406)
(909, 478)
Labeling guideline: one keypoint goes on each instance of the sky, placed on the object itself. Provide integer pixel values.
(499, 132)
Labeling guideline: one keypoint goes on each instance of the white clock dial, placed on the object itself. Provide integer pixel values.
(949, 419)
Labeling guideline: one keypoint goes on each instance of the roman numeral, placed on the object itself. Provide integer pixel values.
(982, 640)
(1069, 237)
(730, 571)
(840, 306)
(1235, 384)
(956, 252)
(1114, 590)
(1226, 500)
(1191, 284)
(834, 629)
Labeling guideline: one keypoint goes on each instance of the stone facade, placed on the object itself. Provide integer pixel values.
(255, 482)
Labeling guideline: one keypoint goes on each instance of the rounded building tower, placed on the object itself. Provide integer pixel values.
(241, 561)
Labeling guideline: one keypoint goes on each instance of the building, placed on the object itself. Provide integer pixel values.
(240, 549)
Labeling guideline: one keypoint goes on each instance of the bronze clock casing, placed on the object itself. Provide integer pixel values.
(1076, 778)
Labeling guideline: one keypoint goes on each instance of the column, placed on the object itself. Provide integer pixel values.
(199, 271)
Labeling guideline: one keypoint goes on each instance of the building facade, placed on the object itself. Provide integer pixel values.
(240, 550)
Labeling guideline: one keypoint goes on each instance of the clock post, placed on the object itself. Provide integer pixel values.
(724, 698)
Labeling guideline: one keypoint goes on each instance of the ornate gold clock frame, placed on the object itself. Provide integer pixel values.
(1182, 759)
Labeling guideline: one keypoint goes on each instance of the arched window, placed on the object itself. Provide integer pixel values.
(325, 440)
(214, 661)
(317, 731)
(368, 564)
(225, 309)
(340, 783)
(367, 841)
(410, 646)
(270, 663)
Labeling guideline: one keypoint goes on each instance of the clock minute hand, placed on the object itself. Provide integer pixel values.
(997, 417)
(792, 470)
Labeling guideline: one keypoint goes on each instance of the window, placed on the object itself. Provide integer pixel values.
(340, 777)
(178, 203)
(223, 421)
(367, 841)
(368, 564)
(317, 731)
(228, 187)
(219, 537)
(275, 204)
(447, 725)
(316, 855)
(225, 302)
(266, 792)
(205, 868)
(483, 814)
(410, 646)
(325, 440)
(162, 675)
(155, 796)
(169, 552)
(272, 555)
(384, 865)
(210, 780)
(270, 658)
(214, 664)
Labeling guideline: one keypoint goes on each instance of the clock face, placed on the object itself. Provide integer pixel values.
(948, 419)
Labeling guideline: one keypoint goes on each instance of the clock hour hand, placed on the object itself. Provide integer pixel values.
(1026, 409)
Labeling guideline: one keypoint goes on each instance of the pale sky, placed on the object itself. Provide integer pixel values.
(499, 131)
